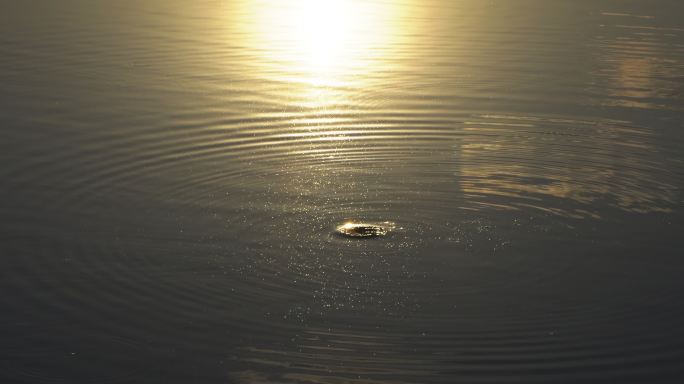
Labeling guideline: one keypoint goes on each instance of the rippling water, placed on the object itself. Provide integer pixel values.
(173, 173)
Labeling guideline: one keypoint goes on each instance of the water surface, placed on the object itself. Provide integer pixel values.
(173, 173)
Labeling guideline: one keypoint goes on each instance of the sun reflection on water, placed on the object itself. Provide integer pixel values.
(320, 48)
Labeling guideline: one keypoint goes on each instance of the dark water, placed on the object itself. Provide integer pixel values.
(172, 173)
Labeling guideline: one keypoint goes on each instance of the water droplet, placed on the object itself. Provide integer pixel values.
(353, 229)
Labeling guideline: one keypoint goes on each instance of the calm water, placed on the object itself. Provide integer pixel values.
(172, 173)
